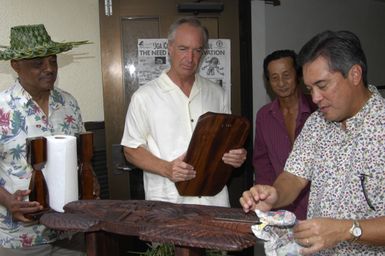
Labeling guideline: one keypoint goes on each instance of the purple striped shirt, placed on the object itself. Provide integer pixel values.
(272, 147)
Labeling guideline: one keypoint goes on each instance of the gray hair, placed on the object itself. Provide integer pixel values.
(342, 50)
(193, 21)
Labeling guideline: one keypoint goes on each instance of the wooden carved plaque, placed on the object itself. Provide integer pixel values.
(214, 135)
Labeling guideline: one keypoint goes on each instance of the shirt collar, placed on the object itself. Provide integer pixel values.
(304, 106)
(18, 91)
(169, 85)
(355, 122)
(55, 98)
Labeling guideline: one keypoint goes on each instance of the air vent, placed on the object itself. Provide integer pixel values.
(197, 7)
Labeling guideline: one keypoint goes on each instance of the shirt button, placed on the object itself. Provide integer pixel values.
(192, 120)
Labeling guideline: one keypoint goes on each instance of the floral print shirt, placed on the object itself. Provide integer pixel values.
(21, 117)
(334, 159)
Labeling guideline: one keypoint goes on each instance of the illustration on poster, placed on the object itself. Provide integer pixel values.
(213, 65)
(160, 60)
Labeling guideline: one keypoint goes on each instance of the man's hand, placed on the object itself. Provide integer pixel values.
(18, 207)
(320, 233)
(261, 197)
(180, 170)
(235, 157)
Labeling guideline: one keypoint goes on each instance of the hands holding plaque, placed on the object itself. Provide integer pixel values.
(215, 148)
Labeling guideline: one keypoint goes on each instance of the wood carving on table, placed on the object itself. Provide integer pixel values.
(37, 157)
(198, 226)
(85, 147)
(214, 135)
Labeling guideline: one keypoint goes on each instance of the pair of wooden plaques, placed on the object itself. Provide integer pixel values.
(214, 135)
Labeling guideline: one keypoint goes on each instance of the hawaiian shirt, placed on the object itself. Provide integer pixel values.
(346, 168)
(20, 118)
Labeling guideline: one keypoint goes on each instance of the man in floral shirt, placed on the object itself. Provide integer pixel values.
(31, 107)
(341, 150)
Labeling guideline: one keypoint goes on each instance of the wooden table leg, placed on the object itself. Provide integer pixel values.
(188, 251)
(101, 243)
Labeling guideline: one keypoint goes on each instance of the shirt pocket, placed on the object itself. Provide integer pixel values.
(360, 194)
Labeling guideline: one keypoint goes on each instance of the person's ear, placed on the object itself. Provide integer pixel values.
(169, 48)
(355, 74)
(15, 65)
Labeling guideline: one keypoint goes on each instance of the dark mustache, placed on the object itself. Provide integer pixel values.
(48, 75)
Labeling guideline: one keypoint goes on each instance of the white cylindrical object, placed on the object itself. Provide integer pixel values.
(60, 171)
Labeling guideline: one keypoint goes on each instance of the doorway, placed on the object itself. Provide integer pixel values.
(134, 19)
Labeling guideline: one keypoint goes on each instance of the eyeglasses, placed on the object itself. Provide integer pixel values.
(362, 177)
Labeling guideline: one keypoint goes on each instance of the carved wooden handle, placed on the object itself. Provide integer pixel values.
(37, 157)
(86, 172)
(37, 152)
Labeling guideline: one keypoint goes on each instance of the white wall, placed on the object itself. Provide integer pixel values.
(68, 20)
(294, 22)
(258, 35)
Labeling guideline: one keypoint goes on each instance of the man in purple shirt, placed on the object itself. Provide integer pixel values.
(279, 122)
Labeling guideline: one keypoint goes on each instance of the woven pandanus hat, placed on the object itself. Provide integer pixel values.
(32, 41)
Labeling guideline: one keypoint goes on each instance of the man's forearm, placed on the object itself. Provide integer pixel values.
(373, 231)
(145, 160)
(288, 186)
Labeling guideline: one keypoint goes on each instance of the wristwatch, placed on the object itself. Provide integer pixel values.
(355, 231)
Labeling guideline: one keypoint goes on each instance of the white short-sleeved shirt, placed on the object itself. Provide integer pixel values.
(161, 118)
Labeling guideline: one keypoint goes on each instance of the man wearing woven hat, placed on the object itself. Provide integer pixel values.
(31, 107)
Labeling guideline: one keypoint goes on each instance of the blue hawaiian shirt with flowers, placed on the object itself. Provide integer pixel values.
(20, 118)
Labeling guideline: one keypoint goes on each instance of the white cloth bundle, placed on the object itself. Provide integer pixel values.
(60, 171)
(276, 230)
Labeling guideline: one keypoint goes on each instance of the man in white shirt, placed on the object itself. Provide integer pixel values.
(163, 114)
